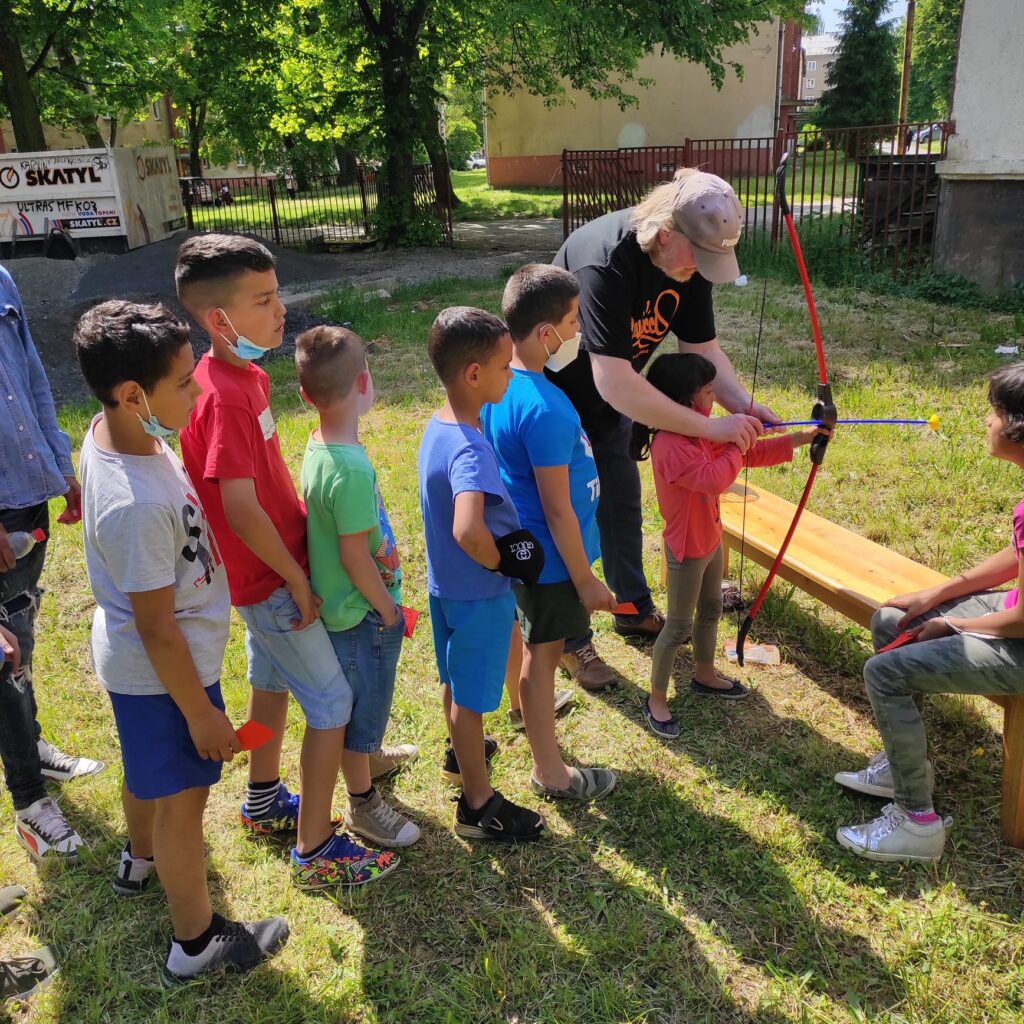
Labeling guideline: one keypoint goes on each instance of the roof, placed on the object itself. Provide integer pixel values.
(819, 45)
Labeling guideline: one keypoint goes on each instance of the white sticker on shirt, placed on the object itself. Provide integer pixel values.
(586, 444)
(267, 423)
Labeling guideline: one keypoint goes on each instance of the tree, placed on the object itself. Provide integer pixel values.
(863, 83)
(933, 58)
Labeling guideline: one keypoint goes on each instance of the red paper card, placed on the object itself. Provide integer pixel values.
(411, 615)
(907, 637)
(254, 734)
(626, 608)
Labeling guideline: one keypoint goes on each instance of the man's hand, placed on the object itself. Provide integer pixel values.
(308, 603)
(73, 503)
(915, 605)
(595, 596)
(738, 429)
(214, 736)
(11, 648)
(763, 413)
(7, 559)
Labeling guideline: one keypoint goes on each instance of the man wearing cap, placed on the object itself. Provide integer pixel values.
(643, 272)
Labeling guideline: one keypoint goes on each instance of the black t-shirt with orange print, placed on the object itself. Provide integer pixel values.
(627, 306)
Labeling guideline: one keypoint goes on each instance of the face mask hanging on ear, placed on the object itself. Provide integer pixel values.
(242, 346)
(566, 353)
(153, 426)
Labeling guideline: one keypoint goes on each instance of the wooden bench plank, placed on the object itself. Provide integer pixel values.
(855, 576)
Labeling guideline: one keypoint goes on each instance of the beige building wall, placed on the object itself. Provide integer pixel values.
(155, 128)
(819, 55)
(525, 139)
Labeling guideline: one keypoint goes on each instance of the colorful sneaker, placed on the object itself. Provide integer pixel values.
(239, 946)
(562, 699)
(44, 831)
(895, 837)
(133, 873)
(450, 765)
(342, 863)
(282, 816)
(388, 760)
(23, 976)
(375, 819)
(498, 819)
(875, 778)
(61, 767)
(584, 784)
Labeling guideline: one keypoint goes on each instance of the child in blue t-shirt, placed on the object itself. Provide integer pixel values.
(549, 469)
(474, 544)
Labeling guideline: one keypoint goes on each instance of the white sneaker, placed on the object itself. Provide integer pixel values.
(61, 767)
(43, 830)
(876, 778)
(133, 874)
(375, 819)
(562, 699)
(895, 837)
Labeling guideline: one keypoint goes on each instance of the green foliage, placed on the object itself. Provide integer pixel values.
(390, 220)
(863, 83)
(463, 141)
(810, 141)
(933, 58)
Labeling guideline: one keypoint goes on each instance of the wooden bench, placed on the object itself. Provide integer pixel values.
(855, 576)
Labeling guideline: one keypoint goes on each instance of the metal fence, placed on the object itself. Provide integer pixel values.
(326, 210)
(876, 187)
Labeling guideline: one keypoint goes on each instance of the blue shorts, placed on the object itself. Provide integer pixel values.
(283, 659)
(369, 653)
(157, 751)
(471, 642)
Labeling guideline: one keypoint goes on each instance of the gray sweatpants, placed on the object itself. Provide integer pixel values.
(694, 584)
(897, 682)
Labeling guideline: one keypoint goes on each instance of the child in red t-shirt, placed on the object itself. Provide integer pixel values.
(689, 475)
(232, 453)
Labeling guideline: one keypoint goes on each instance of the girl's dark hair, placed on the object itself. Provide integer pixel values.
(1006, 396)
(680, 377)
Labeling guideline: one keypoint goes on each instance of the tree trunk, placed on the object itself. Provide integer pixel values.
(397, 208)
(196, 127)
(113, 133)
(17, 88)
(297, 164)
(430, 134)
(347, 164)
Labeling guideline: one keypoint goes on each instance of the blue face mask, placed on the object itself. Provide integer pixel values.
(153, 426)
(242, 346)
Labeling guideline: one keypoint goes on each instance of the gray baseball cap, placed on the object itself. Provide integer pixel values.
(708, 213)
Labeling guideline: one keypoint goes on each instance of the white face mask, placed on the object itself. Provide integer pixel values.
(566, 353)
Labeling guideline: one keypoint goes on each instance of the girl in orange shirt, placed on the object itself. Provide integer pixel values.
(689, 475)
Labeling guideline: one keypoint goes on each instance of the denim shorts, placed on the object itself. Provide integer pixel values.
(283, 659)
(471, 642)
(368, 654)
(157, 751)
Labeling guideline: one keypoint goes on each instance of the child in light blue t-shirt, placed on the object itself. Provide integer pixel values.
(548, 465)
(474, 543)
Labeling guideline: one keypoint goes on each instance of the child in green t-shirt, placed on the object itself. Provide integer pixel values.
(354, 564)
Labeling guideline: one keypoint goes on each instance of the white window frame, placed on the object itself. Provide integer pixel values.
(810, 83)
(812, 65)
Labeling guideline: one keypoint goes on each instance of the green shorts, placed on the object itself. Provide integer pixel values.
(550, 611)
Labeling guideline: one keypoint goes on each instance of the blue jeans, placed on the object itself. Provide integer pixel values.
(369, 655)
(19, 604)
(620, 522)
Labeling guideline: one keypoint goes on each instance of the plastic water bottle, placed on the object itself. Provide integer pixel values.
(22, 543)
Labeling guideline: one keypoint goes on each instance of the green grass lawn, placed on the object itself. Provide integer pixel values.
(708, 887)
(481, 202)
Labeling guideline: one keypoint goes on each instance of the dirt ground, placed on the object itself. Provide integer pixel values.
(55, 292)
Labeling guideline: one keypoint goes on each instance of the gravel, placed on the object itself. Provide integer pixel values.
(56, 292)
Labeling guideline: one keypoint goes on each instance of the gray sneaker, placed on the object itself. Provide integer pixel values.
(379, 822)
(895, 837)
(875, 779)
(584, 784)
(562, 699)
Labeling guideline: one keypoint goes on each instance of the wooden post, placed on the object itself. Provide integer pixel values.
(1013, 771)
(908, 39)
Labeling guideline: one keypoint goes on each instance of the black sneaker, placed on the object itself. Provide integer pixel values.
(450, 765)
(498, 819)
(23, 976)
(240, 946)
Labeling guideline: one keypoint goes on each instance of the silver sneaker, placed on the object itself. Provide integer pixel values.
(876, 778)
(584, 784)
(379, 822)
(562, 699)
(61, 767)
(895, 837)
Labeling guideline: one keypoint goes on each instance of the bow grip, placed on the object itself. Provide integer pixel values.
(825, 413)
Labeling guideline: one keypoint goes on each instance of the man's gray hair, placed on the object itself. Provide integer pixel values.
(654, 211)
